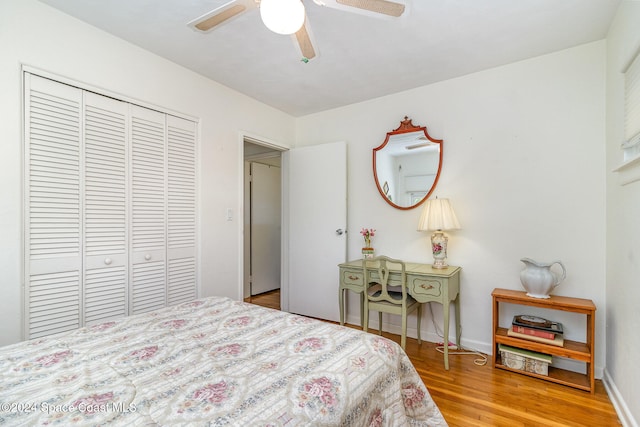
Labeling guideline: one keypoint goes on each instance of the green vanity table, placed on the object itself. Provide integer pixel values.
(424, 283)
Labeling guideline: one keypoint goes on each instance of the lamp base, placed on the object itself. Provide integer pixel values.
(439, 242)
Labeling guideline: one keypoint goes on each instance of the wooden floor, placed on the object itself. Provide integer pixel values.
(470, 395)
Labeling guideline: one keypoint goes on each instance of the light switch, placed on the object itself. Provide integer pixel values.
(229, 214)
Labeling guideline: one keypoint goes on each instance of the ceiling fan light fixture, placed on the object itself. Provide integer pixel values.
(282, 16)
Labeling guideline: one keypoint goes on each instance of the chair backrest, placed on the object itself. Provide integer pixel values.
(376, 273)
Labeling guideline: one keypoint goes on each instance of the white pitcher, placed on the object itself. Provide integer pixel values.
(538, 279)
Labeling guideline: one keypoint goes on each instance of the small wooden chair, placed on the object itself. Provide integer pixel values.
(382, 296)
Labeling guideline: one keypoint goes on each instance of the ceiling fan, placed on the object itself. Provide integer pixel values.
(223, 14)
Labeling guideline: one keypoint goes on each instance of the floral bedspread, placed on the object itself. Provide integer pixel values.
(214, 362)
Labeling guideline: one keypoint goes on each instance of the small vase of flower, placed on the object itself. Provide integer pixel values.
(367, 250)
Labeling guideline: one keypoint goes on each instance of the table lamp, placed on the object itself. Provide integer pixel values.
(438, 215)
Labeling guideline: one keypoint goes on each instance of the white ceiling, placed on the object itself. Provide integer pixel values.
(360, 57)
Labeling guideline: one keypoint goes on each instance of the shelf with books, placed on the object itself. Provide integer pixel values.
(576, 350)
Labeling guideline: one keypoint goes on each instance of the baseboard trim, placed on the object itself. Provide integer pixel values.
(626, 418)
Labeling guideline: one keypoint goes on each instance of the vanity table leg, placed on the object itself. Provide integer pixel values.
(445, 309)
(419, 322)
(361, 295)
(341, 302)
(456, 306)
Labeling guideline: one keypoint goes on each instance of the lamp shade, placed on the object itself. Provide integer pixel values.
(438, 214)
(282, 16)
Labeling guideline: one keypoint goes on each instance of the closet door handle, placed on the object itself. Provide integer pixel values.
(108, 261)
(147, 257)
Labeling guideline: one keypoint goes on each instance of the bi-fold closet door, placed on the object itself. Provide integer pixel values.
(110, 209)
(163, 210)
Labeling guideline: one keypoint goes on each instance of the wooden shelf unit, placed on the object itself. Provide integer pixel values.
(580, 351)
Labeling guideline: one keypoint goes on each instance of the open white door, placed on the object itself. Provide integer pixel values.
(315, 215)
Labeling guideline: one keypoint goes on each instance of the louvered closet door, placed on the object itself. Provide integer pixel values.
(105, 210)
(53, 245)
(148, 210)
(181, 177)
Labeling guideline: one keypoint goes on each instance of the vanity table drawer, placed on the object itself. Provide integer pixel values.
(352, 277)
(425, 286)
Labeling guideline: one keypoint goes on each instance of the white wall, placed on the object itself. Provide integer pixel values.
(36, 35)
(523, 167)
(623, 228)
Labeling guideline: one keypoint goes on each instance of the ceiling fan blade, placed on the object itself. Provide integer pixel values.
(379, 9)
(304, 43)
(378, 6)
(220, 15)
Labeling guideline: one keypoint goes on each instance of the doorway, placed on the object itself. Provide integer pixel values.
(262, 219)
(309, 195)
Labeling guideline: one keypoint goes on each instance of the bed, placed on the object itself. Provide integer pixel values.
(213, 361)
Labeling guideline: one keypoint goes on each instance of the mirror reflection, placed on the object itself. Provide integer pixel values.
(407, 165)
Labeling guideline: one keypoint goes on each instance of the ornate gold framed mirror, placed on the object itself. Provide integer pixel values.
(407, 165)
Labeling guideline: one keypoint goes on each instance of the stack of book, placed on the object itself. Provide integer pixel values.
(536, 329)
